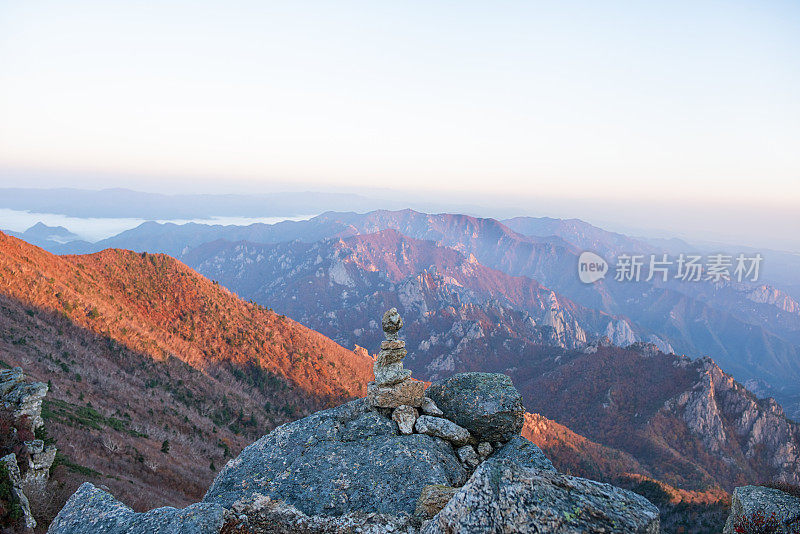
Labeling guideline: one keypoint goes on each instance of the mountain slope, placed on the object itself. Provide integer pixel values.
(139, 349)
(688, 423)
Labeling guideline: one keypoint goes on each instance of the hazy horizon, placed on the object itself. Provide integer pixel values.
(687, 222)
(679, 119)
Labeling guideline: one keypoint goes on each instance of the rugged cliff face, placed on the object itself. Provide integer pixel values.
(734, 424)
(26, 461)
(686, 422)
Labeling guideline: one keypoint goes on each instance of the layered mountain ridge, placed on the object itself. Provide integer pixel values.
(752, 330)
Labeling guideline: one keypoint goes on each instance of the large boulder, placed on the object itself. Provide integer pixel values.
(486, 404)
(349, 470)
(91, 510)
(508, 494)
(343, 460)
(747, 500)
(522, 452)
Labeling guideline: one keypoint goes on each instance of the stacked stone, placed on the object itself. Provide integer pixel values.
(393, 386)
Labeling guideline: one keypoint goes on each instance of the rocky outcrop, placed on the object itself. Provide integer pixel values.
(10, 469)
(91, 510)
(40, 459)
(31, 471)
(24, 399)
(338, 461)
(507, 496)
(356, 468)
(486, 404)
(725, 415)
(782, 508)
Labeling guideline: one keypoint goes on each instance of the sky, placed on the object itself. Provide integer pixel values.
(572, 108)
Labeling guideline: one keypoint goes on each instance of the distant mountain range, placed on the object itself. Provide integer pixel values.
(333, 272)
(125, 203)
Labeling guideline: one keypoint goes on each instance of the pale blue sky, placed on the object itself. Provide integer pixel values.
(651, 101)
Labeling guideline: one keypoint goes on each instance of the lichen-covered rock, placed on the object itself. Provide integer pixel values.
(486, 404)
(262, 515)
(433, 499)
(338, 461)
(749, 499)
(442, 428)
(409, 392)
(505, 496)
(485, 449)
(9, 463)
(92, 511)
(22, 398)
(429, 407)
(468, 456)
(405, 416)
(524, 453)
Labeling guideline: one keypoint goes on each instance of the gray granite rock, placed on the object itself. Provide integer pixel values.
(749, 499)
(486, 404)
(405, 416)
(388, 374)
(442, 428)
(346, 459)
(485, 449)
(429, 407)
(505, 496)
(21, 397)
(263, 515)
(468, 456)
(391, 324)
(9, 461)
(524, 453)
(93, 511)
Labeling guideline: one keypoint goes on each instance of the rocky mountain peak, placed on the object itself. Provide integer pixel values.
(400, 460)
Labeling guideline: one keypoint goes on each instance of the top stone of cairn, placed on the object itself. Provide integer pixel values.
(392, 323)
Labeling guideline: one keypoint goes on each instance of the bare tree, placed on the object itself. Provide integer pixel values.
(110, 443)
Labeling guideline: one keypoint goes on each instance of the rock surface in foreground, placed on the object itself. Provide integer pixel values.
(486, 404)
(338, 461)
(350, 470)
(506, 495)
(93, 511)
(749, 499)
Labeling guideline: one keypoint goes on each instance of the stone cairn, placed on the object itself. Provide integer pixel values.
(393, 385)
(396, 395)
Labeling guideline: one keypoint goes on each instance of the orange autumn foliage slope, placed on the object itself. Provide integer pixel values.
(156, 305)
